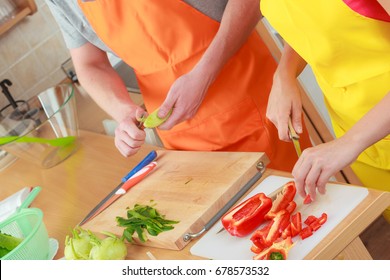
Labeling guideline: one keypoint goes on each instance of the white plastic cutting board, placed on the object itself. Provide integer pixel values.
(338, 202)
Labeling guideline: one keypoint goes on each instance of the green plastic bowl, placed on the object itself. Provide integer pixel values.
(28, 225)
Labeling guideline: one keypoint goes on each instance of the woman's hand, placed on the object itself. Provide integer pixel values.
(128, 137)
(285, 97)
(285, 101)
(318, 164)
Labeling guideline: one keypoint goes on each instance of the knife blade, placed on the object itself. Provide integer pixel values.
(136, 178)
(148, 159)
(294, 137)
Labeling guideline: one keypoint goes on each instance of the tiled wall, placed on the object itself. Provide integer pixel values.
(31, 54)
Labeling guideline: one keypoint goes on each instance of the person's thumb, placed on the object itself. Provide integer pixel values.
(140, 113)
(164, 109)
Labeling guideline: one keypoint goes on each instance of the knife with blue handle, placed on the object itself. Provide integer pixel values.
(147, 160)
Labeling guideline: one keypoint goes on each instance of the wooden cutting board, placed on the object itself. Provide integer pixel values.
(187, 186)
(338, 202)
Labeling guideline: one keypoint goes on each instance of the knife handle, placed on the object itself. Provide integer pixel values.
(148, 159)
(293, 134)
(137, 177)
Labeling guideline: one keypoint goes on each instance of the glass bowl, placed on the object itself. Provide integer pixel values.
(44, 130)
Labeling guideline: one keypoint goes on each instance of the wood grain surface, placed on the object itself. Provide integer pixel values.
(190, 187)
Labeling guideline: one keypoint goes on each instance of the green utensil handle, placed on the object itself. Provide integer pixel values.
(31, 196)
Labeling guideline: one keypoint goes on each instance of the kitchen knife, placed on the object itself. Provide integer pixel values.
(294, 137)
(148, 159)
(136, 178)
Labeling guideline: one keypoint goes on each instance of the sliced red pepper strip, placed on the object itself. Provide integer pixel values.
(316, 224)
(305, 233)
(247, 216)
(259, 237)
(296, 224)
(310, 219)
(307, 199)
(256, 249)
(282, 199)
(291, 206)
(323, 218)
(287, 232)
(266, 236)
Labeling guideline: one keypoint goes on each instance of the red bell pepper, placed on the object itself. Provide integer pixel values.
(323, 218)
(283, 199)
(296, 224)
(313, 223)
(259, 238)
(307, 199)
(318, 222)
(278, 250)
(247, 216)
(291, 206)
(266, 236)
(306, 232)
(287, 232)
(310, 219)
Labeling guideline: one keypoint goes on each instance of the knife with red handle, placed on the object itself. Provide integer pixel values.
(131, 182)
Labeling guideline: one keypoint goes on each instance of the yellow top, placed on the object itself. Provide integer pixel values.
(349, 54)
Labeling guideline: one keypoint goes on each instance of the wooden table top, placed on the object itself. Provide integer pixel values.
(72, 188)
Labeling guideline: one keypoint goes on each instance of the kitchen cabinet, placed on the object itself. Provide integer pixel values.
(315, 113)
(24, 9)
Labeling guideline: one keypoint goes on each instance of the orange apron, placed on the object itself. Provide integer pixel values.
(163, 40)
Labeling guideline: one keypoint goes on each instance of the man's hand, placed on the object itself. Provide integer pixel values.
(128, 137)
(185, 97)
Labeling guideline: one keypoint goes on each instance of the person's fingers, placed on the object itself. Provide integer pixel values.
(283, 128)
(140, 113)
(125, 149)
(299, 173)
(296, 119)
(175, 118)
(311, 181)
(128, 138)
(323, 180)
(166, 106)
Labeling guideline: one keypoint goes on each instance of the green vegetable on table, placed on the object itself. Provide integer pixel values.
(8, 243)
(143, 219)
(79, 246)
(153, 120)
(110, 248)
(85, 245)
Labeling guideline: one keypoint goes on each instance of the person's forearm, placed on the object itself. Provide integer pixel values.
(238, 21)
(291, 64)
(105, 86)
(371, 128)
